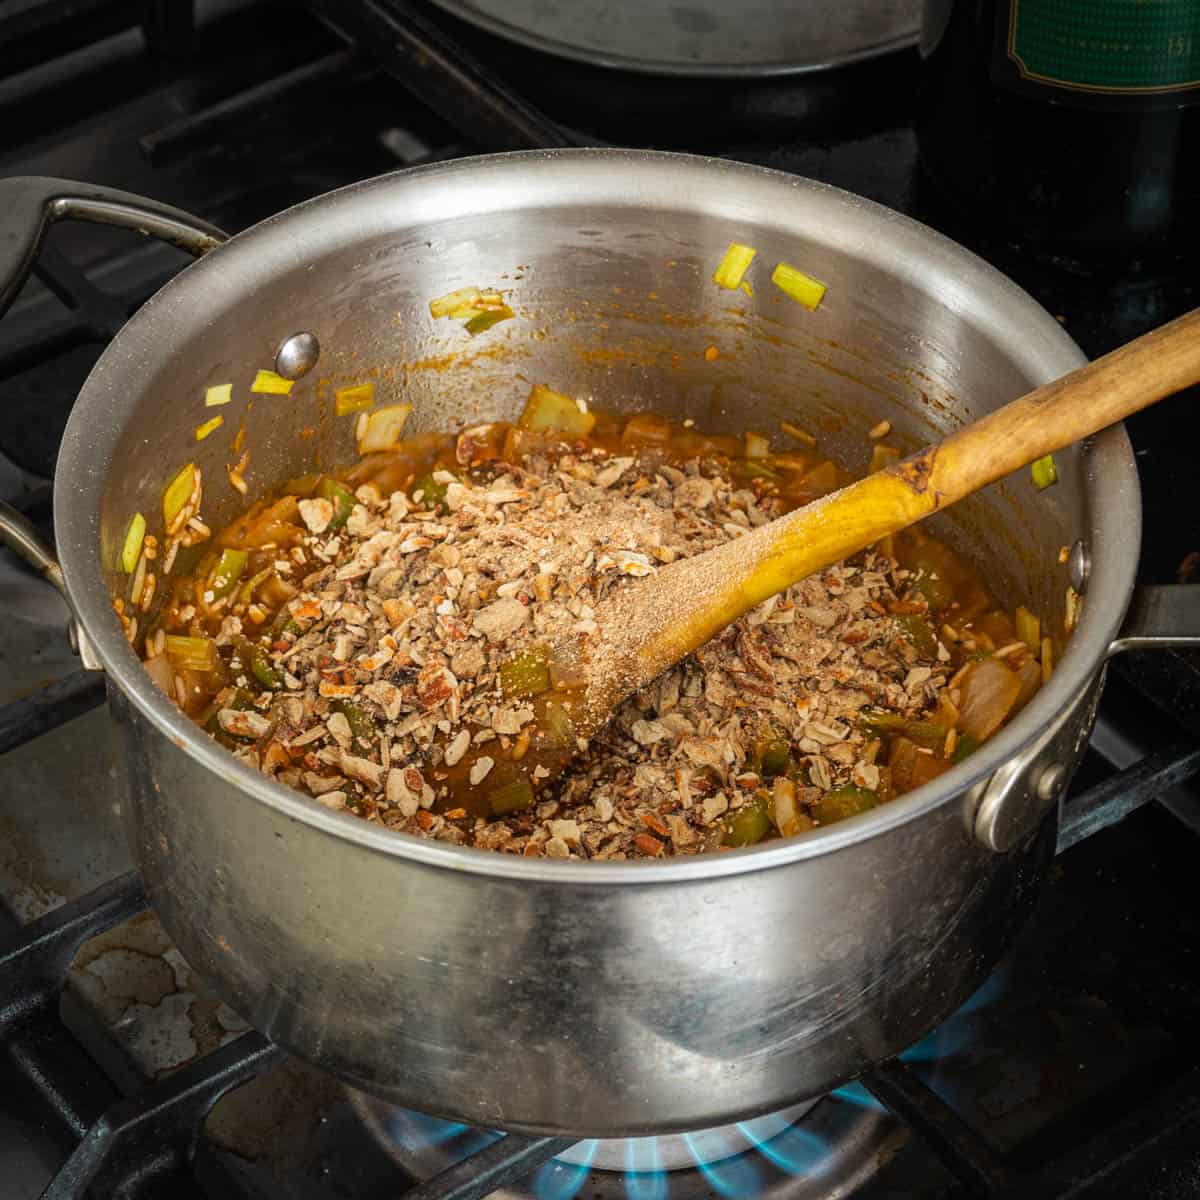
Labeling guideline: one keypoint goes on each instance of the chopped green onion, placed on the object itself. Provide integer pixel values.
(1029, 628)
(547, 409)
(381, 430)
(217, 395)
(362, 724)
(259, 662)
(191, 653)
(804, 289)
(178, 493)
(528, 674)
(227, 572)
(1044, 472)
(202, 431)
(131, 550)
(267, 383)
(734, 266)
(246, 592)
(340, 497)
(512, 796)
(353, 399)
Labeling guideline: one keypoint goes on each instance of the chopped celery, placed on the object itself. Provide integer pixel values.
(178, 492)
(547, 409)
(227, 572)
(218, 394)
(1044, 472)
(432, 492)
(211, 426)
(1029, 628)
(733, 267)
(484, 320)
(842, 803)
(131, 551)
(749, 824)
(965, 745)
(353, 399)
(362, 724)
(512, 795)
(340, 497)
(191, 653)
(382, 428)
(453, 302)
(267, 383)
(804, 289)
(919, 634)
(246, 591)
(774, 756)
(527, 674)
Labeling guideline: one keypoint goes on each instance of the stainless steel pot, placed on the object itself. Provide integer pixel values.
(590, 999)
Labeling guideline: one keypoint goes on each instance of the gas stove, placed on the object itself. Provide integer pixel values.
(1074, 1071)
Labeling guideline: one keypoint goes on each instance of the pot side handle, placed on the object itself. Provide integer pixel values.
(30, 204)
(1160, 616)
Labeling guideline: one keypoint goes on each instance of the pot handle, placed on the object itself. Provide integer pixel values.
(1160, 616)
(29, 204)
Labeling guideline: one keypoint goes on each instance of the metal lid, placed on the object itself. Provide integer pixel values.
(701, 37)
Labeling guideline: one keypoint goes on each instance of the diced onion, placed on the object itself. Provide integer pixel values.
(202, 431)
(178, 493)
(353, 399)
(787, 816)
(381, 429)
(733, 266)
(132, 548)
(267, 383)
(989, 690)
(757, 446)
(1044, 472)
(1029, 628)
(804, 289)
(548, 409)
(218, 394)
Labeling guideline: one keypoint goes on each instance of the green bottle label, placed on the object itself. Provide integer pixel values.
(1107, 47)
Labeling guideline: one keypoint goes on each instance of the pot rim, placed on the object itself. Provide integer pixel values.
(620, 178)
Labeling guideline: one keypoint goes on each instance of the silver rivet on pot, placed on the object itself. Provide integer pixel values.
(297, 355)
(1050, 782)
(1079, 563)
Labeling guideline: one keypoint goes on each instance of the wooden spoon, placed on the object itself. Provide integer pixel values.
(649, 626)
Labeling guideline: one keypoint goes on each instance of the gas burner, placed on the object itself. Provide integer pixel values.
(823, 1148)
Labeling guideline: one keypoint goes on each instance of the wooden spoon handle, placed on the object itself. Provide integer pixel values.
(647, 628)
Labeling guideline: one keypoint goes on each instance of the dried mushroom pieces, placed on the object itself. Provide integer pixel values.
(378, 641)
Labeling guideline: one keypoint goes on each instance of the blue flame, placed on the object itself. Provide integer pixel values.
(795, 1150)
(645, 1178)
(560, 1181)
(729, 1172)
(855, 1093)
(427, 1130)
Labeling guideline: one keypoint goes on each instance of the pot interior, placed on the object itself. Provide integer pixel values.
(607, 260)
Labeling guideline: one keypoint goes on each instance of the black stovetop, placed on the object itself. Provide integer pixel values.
(1075, 1071)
